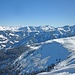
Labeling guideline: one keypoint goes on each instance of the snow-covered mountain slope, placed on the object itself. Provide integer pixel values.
(13, 36)
(56, 56)
(40, 57)
(67, 66)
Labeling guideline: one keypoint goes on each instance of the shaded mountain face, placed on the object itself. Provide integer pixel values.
(30, 50)
(16, 36)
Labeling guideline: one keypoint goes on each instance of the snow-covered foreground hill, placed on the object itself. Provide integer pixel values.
(56, 56)
(67, 66)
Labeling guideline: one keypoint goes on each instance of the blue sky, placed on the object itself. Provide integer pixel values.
(37, 12)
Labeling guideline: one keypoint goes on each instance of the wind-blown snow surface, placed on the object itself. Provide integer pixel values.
(67, 66)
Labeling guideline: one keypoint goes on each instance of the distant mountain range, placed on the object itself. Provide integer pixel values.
(15, 36)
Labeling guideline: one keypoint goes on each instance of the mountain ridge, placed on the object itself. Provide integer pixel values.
(10, 35)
